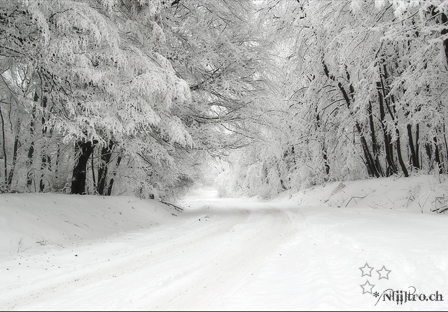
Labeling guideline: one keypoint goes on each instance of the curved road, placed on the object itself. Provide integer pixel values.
(219, 256)
(195, 262)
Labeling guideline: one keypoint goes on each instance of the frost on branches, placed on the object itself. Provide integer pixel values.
(132, 96)
(363, 94)
(99, 97)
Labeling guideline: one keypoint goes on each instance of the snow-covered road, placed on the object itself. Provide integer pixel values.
(194, 263)
(239, 255)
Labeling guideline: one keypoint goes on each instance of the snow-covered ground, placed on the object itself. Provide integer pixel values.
(364, 245)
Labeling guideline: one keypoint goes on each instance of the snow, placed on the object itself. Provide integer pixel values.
(319, 249)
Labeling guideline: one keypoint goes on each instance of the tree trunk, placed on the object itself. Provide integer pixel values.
(393, 114)
(326, 163)
(324, 150)
(5, 155)
(375, 145)
(106, 154)
(400, 158)
(434, 11)
(29, 176)
(391, 167)
(14, 159)
(414, 149)
(428, 149)
(93, 169)
(398, 146)
(111, 182)
(45, 159)
(84, 149)
(56, 165)
(417, 145)
(437, 155)
(369, 162)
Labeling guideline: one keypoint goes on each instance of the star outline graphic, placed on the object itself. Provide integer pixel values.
(366, 268)
(384, 273)
(367, 286)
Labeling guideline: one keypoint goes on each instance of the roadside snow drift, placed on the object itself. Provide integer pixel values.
(29, 221)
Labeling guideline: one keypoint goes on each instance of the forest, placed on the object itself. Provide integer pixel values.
(148, 97)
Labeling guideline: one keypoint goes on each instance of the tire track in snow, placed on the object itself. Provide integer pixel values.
(320, 267)
(214, 284)
(309, 274)
(155, 266)
(148, 248)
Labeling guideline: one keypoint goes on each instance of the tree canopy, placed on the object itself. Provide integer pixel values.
(135, 97)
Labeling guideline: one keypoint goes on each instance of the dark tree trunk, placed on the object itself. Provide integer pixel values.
(14, 158)
(84, 149)
(391, 167)
(93, 169)
(414, 149)
(446, 143)
(437, 155)
(29, 176)
(398, 146)
(428, 149)
(369, 162)
(46, 162)
(44, 157)
(324, 150)
(106, 154)
(326, 164)
(393, 114)
(400, 157)
(417, 145)
(56, 169)
(5, 155)
(441, 19)
(375, 145)
(111, 182)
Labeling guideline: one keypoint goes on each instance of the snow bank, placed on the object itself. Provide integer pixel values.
(28, 221)
(422, 194)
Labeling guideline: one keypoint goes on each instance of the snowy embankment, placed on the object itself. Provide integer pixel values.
(424, 194)
(367, 245)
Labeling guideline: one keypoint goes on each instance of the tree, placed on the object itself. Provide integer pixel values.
(104, 85)
(361, 93)
(214, 46)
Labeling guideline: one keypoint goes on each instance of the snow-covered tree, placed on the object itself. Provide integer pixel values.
(216, 47)
(363, 92)
(99, 83)
(132, 96)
